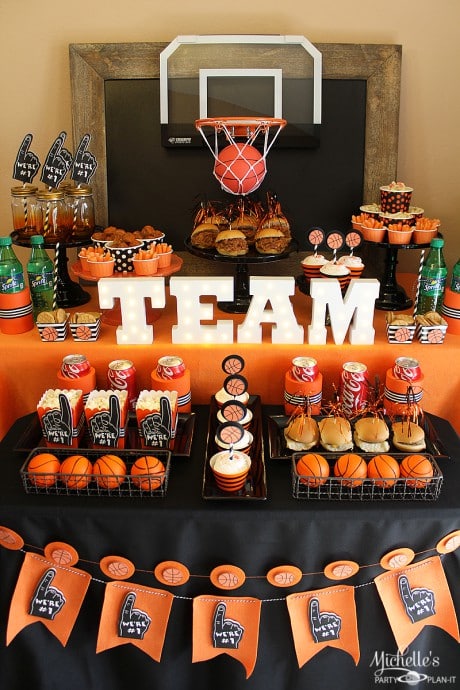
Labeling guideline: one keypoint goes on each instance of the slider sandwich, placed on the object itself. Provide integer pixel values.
(204, 236)
(301, 433)
(231, 243)
(371, 435)
(335, 434)
(408, 437)
(271, 241)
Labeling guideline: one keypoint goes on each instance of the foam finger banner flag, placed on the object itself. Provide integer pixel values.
(47, 593)
(324, 618)
(132, 614)
(416, 596)
(226, 625)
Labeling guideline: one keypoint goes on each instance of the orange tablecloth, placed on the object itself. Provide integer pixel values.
(29, 366)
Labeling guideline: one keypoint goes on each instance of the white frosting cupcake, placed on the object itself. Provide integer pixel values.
(351, 261)
(222, 396)
(314, 260)
(243, 444)
(334, 270)
(222, 463)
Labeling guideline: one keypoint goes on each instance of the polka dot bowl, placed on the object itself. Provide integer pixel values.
(123, 256)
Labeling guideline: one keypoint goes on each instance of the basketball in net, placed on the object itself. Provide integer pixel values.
(240, 168)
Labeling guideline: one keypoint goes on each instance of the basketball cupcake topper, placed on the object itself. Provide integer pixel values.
(235, 385)
(230, 433)
(335, 241)
(233, 364)
(233, 411)
(353, 240)
(316, 237)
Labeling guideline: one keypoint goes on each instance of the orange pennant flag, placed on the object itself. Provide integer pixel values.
(47, 593)
(324, 618)
(416, 596)
(135, 615)
(226, 625)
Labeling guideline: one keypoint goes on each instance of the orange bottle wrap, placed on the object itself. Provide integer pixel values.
(297, 392)
(16, 312)
(451, 311)
(85, 383)
(181, 384)
(395, 395)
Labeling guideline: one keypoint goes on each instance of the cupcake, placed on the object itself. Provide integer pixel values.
(230, 470)
(395, 197)
(353, 263)
(311, 265)
(335, 270)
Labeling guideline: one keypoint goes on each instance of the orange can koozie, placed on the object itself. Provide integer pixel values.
(299, 394)
(16, 314)
(400, 393)
(166, 378)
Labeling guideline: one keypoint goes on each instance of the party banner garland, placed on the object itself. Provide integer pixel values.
(50, 590)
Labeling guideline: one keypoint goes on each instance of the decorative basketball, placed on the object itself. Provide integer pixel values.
(419, 467)
(235, 385)
(316, 236)
(435, 336)
(75, 472)
(315, 467)
(151, 466)
(173, 576)
(335, 240)
(384, 470)
(351, 465)
(109, 471)
(240, 168)
(233, 364)
(43, 469)
(233, 411)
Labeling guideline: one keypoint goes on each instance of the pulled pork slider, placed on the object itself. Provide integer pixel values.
(204, 236)
(371, 435)
(408, 437)
(301, 433)
(335, 434)
(271, 241)
(231, 243)
(248, 225)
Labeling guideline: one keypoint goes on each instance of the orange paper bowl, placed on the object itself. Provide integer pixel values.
(146, 267)
(164, 260)
(424, 236)
(101, 269)
(399, 236)
(374, 234)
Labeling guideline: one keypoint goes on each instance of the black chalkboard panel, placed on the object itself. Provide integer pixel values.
(150, 184)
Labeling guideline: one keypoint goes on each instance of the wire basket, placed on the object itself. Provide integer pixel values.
(141, 485)
(339, 489)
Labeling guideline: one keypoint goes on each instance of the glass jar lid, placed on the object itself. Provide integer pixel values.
(82, 190)
(23, 191)
(50, 195)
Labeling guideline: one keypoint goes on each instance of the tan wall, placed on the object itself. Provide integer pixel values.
(35, 88)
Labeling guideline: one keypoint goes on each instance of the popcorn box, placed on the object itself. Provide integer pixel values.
(106, 414)
(61, 416)
(156, 414)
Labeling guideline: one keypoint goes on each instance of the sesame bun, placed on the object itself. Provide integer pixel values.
(231, 243)
(371, 435)
(301, 433)
(335, 434)
(408, 436)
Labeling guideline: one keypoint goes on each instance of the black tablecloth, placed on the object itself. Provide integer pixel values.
(254, 535)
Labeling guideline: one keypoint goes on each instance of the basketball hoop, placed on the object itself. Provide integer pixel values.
(240, 167)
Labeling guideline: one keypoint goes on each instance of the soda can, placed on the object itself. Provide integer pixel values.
(74, 366)
(304, 368)
(353, 388)
(170, 367)
(121, 375)
(407, 369)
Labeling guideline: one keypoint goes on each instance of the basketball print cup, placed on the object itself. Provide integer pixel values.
(395, 198)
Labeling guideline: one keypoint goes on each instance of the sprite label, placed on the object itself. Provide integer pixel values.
(12, 283)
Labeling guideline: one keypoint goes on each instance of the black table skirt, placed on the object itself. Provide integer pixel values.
(254, 535)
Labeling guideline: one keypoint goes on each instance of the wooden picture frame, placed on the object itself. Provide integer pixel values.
(91, 64)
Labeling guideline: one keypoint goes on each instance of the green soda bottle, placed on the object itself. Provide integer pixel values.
(11, 271)
(433, 279)
(40, 271)
(455, 280)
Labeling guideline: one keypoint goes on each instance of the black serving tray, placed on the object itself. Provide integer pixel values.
(278, 449)
(256, 484)
(33, 437)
